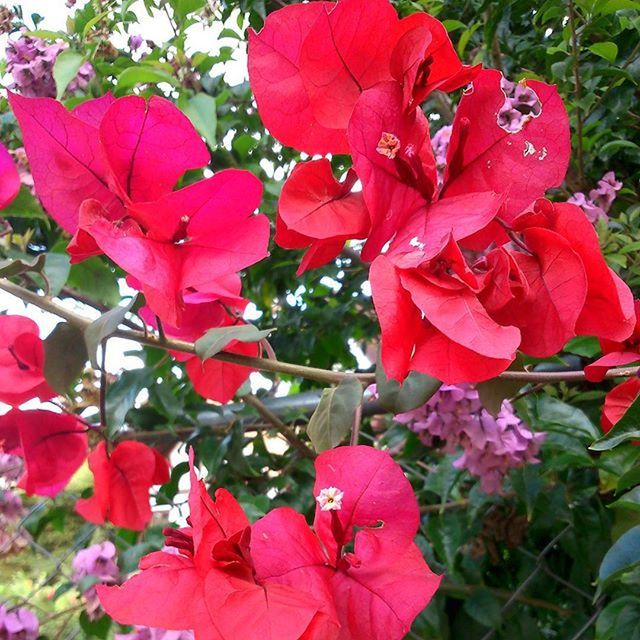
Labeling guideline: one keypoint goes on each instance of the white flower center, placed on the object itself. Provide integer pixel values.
(330, 499)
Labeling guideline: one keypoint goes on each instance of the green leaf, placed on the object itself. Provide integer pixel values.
(623, 556)
(102, 328)
(25, 206)
(65, 355)
(629, 479)
(56, 271)
(333, 418)
(416, 389)
(551, 414)
(65, 69)
(47, 35)
(132, 76)
(201, 110)
(10, 268)
(629, 500)
(606, 50)
(484, 608)
(495, 391)
(453, 25)
(98, 628)
(215, 340)
(612, 147)
(122, 394)
(604, 7)
(95, 279)
(627, 428)
(184, 7)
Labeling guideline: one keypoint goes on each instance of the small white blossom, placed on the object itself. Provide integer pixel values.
(330, 499)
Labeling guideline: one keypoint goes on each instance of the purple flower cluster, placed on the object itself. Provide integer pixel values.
(97, 562)
(30, 62)
(596, 206)
(148, 633)
(18, 624)
(10, 467)
(521, 104)
(491, 445)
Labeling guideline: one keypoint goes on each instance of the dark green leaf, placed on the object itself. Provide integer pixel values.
(65, 355)
(122, 394)
(484, 607)
(333, 418)
(627, 428)
(56, 271)
(215, 340)
(623, 556)
(411, 394)
(102, 328)
(10, 268)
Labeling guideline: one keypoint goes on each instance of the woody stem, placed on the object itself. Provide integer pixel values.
(263, 364)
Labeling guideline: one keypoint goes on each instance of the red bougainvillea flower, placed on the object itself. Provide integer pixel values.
(317, 212)
(21, 361)
(310, 63)
(209, 584)
(53, 446)
(616, 353)
(617, 401)
(393, 157)
(432, 321)
(9, 178)
(362, 499)
(522, 162)
(106, 172)
(213, 379)
(462, 320)
(122, 480)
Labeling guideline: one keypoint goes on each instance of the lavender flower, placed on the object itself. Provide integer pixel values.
(491, 445)
(135, 42)
(521, 105)
(18, 624)
(30, 62)
(97, 561)
(10, 467)
(148, 633)
(597, 205)
(440, 144)
(11, 508)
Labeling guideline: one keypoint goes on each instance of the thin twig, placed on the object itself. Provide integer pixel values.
(278, 366)
(503, 594)
(281, 427)
(518, 593)
(357, 421)
(578, 82)
(103, 387)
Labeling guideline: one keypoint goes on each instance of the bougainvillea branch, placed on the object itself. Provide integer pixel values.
(263, 364)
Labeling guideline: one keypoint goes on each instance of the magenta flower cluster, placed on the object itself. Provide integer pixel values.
(30, 62)
(98, 562)
(18, 624)
(148, 633)
(491, 445)
(597, 204)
